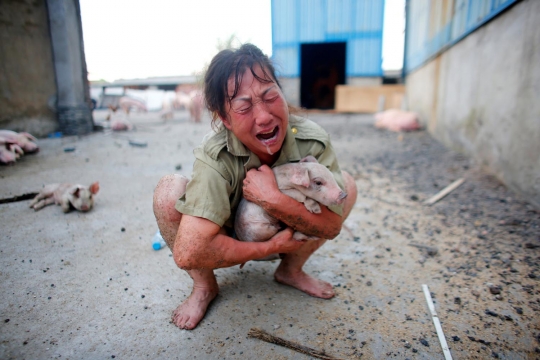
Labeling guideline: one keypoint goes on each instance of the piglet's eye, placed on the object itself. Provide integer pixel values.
(318, 182)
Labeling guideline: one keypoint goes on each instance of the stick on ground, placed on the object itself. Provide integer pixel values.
(264, 336)
(444, 192)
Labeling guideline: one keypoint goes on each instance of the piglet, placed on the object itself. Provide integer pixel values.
(67, 196)
(23, 139)
(7, 156)
(9, 152)
(119, 121)
(397, 120)
(306, 181)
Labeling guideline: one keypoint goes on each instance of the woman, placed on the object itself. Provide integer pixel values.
(254, 131)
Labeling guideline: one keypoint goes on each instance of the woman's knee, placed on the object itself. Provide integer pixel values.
(168, 190)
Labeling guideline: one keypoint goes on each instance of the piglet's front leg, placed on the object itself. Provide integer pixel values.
(301, 236)
(65, 204)
(312, 206)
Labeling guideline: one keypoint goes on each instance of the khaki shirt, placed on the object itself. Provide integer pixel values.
(222, 161)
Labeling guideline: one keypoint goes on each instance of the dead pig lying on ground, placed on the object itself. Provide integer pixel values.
(67, 196)
(25, 140)
(9, 152)
(13, 145)
(307, 182)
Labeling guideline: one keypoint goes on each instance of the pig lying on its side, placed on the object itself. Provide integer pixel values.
(9, 152)
(66, 195)
(24, 140)
(397, 120)
(306, 181)
(13, 145)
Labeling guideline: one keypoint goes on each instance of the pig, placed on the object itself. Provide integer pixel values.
(119, 121)
(66, 195)
(306, 181)
(397, 120)
(194, 102)
(9, 152)
(7, 156)
(167, 109)
(23, 139)
(126, 103)
(196, 105)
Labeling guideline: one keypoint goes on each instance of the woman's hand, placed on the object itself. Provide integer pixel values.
(284, 242)
(260, 185)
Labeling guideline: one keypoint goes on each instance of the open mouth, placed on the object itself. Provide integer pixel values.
(268, 135)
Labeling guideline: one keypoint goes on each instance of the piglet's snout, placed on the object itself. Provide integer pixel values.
(341, 197)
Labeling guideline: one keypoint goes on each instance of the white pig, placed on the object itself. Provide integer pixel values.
(7, 156)
(22, 139)
(127, 103)
(306, 181)
(67, 196)
(397, 120)
(9, 152)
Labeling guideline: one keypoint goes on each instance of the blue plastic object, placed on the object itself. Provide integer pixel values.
(157, 241)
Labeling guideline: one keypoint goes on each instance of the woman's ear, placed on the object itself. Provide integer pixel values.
(226, 122)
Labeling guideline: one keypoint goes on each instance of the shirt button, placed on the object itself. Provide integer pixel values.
(294, 130)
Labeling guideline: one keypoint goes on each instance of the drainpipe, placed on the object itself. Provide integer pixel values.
(73, 98)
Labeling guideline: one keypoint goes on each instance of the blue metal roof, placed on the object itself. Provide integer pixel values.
(359, 23)
(434, 25)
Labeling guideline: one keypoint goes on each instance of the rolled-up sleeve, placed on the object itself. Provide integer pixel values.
(207, 195)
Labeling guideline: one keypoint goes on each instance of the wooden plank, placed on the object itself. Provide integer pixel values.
(365, 99)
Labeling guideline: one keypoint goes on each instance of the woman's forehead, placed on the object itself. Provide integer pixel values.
(247, 75)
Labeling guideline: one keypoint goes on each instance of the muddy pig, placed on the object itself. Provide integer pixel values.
(307, 182)
(67, 196)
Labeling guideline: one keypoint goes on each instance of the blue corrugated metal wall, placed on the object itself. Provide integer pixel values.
(434, 25)
(359, 23)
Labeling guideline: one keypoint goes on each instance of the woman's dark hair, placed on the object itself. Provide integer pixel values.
(233, 63)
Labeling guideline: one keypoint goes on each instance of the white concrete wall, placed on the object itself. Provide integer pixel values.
(482, 97)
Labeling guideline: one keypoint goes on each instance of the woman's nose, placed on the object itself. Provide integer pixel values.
(261, 112)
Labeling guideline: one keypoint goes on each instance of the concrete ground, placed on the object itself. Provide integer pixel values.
(85, 286)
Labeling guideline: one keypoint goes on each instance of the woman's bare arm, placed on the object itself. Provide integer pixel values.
(261, 188)
(200, 245)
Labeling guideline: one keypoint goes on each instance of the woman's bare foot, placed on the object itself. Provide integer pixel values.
(304, 282)
(191, 311)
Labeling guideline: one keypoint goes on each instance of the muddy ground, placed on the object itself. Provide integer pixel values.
(89, 286)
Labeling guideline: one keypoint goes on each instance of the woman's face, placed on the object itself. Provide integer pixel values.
(258, 115)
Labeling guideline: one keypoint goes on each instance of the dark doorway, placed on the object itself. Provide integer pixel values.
(322, 67)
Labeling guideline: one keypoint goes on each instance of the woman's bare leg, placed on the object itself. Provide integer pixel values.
(205, 288)
(290, 271)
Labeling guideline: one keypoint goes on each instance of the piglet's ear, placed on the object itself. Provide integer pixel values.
(94, 188)
(309, 158)
(300, 177)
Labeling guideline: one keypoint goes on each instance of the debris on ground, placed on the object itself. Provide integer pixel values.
(263, 335)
